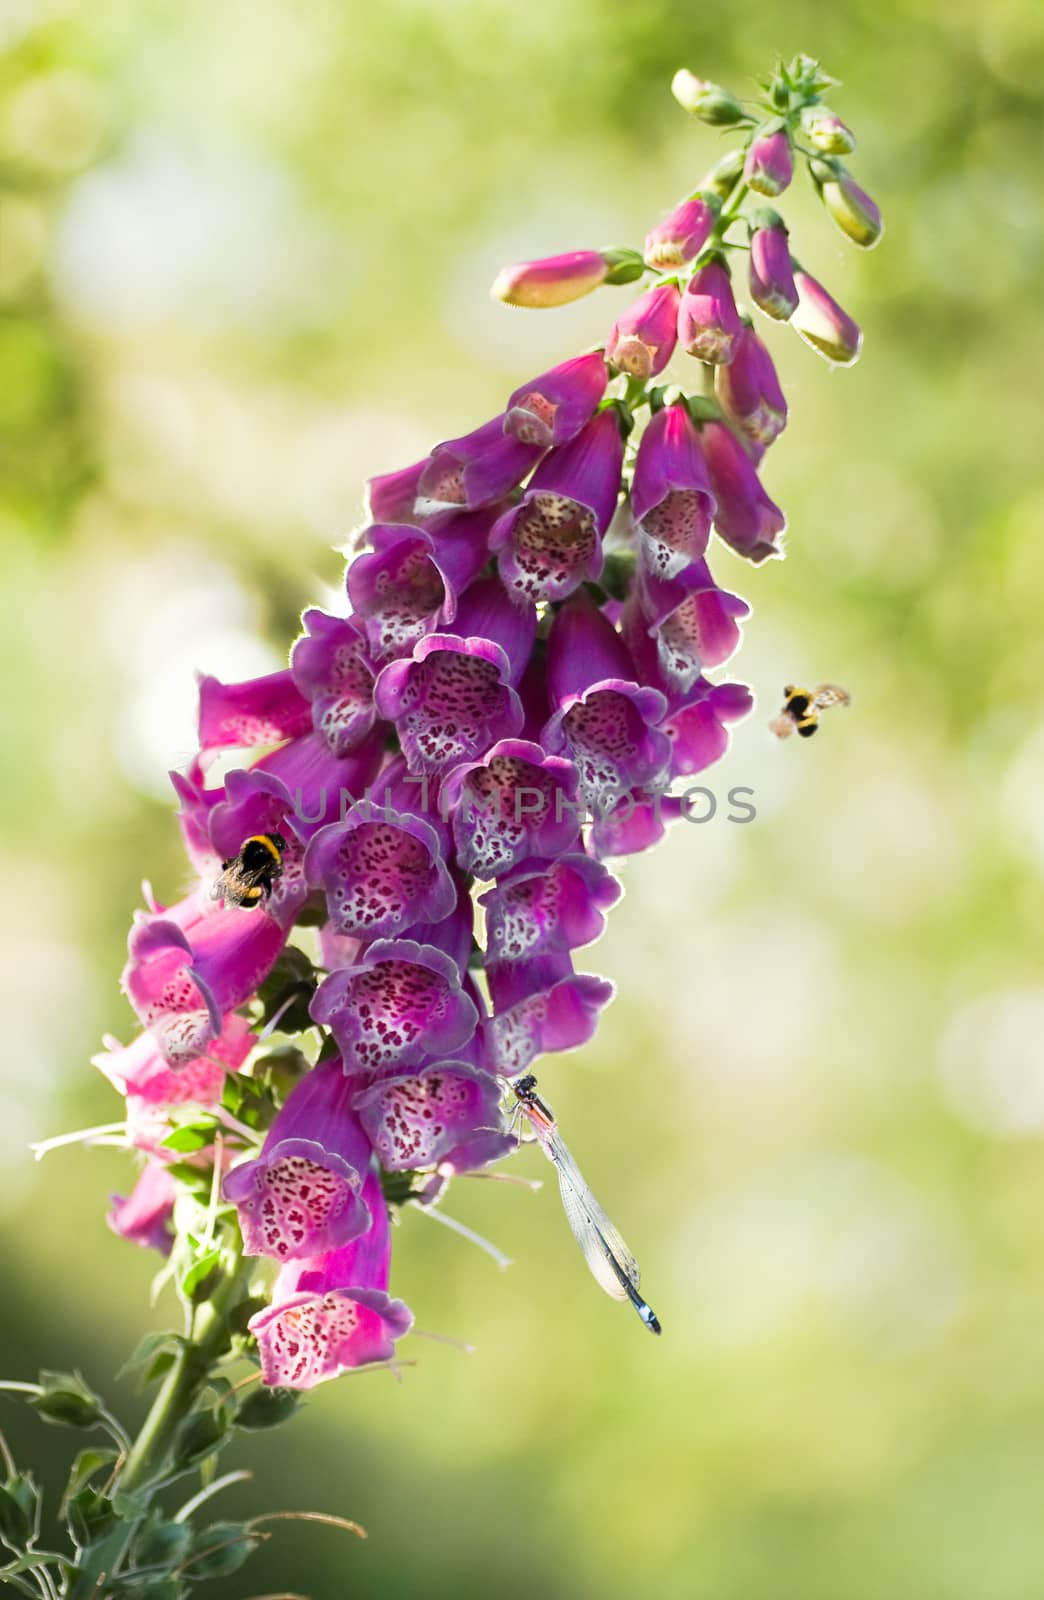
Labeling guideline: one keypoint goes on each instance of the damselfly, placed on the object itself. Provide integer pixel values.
(605, 1252)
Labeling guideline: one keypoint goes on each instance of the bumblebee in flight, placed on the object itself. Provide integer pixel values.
(247, 878)
(801, 709)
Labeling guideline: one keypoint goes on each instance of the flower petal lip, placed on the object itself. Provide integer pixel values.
(750, 391)
(400, 1001)
(430, 1114)
(515, 803)
(548, 907)
(708, 322)
(541, 1006)
(381, 873)
(642, 339)
(475, 470)
(745, 517)
(552, 408)
(331, 1312)
(330, 665)
(449, 700)
(683, 232)
(260, 711)
(672, 502)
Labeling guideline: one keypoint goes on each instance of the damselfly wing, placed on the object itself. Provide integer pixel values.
(603, 1246)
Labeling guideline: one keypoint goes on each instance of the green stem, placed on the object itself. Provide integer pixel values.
(730, 210)
(149, 1455)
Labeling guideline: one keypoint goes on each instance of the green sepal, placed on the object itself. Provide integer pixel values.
(145, 1586)
(89, 1516)
(764, 217)
(267, 1408)
(162, 1543)
(201, 1279)
(702, 408)
(221, 1550)
(86, 1464)
(240, 1315)
(32, 1561)
(151, 1356)
(292, 977)
(617, 574)
(19, 1505)
(276, 1072)
(329, 1051)
(199, 1436)
(625, 265)
(66, 1400)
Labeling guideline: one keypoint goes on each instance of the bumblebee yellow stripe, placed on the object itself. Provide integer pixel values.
(263, 839)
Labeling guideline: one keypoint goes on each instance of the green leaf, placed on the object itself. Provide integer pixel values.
(197, 1180)
(222, 1549)
(87, 1463)
(267, 1408)
(67, 1400)
(191, 1136)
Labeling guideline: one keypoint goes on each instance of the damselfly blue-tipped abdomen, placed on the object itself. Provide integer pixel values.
(603, 1246)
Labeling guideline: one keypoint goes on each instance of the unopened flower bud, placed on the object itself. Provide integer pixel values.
(642, 340)
(768, 167)
(683, 232)
(750, 392)
(849, 205)
(771, 275)
(554, 281)
(724, 175)
(824, 128)
(708, 322)
(822, 323)
(706, 100)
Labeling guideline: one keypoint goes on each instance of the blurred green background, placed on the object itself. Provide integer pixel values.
(244, 256)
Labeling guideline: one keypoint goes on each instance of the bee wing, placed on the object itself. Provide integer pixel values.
(829, 694)
(782, 726)
(607, 1255)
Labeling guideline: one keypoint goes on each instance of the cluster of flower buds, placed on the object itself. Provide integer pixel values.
(519, 683)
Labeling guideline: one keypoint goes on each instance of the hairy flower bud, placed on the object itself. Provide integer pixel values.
(554, 281)
(824, 128)
(708, 322)
(855, 213)
(768, 167)
(706, 100)
(683, 232)
(642, 340)
(822, 323)
(771, 278)
(750, 391)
